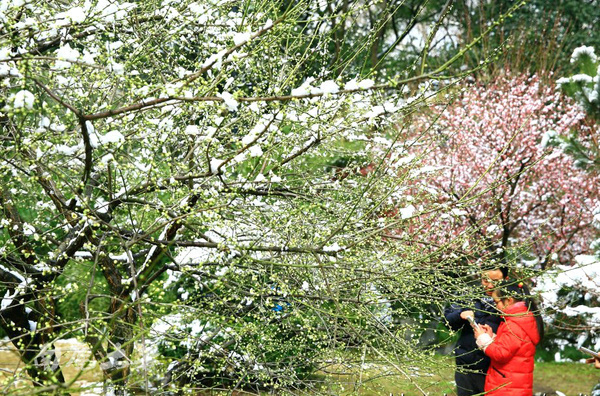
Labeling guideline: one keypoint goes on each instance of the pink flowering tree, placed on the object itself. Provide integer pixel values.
(498, 185)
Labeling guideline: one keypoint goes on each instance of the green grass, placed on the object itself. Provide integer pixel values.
(571, 379)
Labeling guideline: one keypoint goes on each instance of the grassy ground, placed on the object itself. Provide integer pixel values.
(569, 378)
(572, 379)
(376, 379)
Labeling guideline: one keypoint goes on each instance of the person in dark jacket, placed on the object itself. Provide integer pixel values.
(471, 362)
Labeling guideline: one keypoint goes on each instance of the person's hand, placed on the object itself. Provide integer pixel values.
(477, 331)
(465, 314)
(596, 362)
(487, 329)
(482, 329)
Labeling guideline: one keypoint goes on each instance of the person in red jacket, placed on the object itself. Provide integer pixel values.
(512, 349)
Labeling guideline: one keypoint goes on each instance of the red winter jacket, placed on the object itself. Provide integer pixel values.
(512, 354)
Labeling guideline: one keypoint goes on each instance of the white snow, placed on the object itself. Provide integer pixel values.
(408, 212)
(214, 60)
(582, 78)
(192, 130)
(256, 151)
(332, 248)
(329, 87)
(492, 229)
(112, 137)
(351, 85)
(229, 101)
(583, 51)
(241, 38)
(23, 99)
(547, 138)
(7, 300)
(214, 165)
(76, 14)
(366, 84)
(584, 274)
(67, 150)
(375, 111)
(303, 89)
(66, 56)
(117, 68)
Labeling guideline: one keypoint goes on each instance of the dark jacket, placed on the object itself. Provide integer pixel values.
(468, 356)
(512, 354)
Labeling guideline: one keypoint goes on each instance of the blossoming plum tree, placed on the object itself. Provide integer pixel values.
(170, 167)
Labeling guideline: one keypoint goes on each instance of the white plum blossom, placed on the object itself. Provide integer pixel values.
(204, 167)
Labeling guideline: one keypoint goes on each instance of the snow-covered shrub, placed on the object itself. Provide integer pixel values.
(584, 87)
(571, 299)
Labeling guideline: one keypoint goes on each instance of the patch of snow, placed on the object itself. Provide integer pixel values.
(408, 212)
